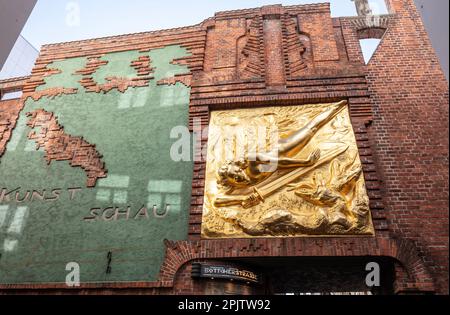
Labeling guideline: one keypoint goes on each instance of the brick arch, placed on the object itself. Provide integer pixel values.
(373, 21)
(371, 32)
(368, 27)
(415, 278)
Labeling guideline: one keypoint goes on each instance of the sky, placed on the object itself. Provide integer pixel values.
(69, 20)
(57, 21)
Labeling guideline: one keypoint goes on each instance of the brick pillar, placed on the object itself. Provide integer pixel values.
(273, 46)
(410, 131)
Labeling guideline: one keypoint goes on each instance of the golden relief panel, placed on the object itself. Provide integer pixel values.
(284, 172)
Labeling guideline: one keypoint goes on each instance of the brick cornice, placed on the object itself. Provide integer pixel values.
(12, 84)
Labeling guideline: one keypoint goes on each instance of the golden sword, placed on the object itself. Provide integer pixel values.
(261, 193)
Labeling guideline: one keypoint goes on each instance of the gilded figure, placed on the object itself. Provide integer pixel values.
(308, 183)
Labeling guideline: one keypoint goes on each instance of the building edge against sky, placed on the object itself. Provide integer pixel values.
(395, 159)
(434, 13)
(13, 16)
(20, 61)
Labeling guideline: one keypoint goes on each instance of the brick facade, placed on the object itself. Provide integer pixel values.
(275, 56)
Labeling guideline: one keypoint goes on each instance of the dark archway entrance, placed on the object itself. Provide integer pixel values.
(322, 276)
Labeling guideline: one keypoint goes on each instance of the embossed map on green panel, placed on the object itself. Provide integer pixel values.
(49, 216)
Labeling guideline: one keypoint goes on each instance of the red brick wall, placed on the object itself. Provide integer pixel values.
(399, 109)
(410, 135)
(9, 112)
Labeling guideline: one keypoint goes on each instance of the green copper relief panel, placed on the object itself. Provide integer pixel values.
(49, 217)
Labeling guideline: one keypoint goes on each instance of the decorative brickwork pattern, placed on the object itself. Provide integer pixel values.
(184, 79)
(273, 51)
(59, 146)
(51, 93)
(121, 84)
(142, 66)
(294, 49)
(9, 113)
(251, 60)
(192, 38)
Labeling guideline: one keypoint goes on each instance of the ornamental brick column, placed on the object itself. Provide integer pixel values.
(273, 46)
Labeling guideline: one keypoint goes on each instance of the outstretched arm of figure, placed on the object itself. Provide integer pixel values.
(284, 162)
(297, 141)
